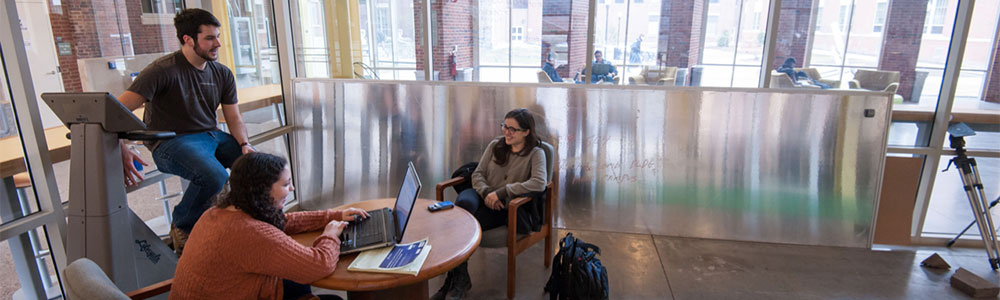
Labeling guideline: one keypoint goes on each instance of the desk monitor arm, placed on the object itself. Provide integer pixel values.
(101, 225)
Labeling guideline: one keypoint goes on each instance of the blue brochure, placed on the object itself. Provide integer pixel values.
(402, 255)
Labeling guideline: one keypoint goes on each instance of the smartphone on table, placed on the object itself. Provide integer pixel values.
(442, 205)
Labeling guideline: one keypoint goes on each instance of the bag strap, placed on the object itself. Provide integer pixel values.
(560, 262)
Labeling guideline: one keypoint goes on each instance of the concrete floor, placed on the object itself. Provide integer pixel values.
(659, 267)
(644, 266)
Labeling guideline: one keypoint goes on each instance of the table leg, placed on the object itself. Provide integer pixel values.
(414, 291)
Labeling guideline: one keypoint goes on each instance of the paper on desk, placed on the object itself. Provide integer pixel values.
(406, 259)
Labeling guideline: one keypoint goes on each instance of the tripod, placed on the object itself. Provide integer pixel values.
(952, 241)
(974, 191)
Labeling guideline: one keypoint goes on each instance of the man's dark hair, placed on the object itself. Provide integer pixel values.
(189, 22)
(598, 51)
(250, 183)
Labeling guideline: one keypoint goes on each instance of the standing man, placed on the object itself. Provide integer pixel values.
(182, 92)
(636, 56)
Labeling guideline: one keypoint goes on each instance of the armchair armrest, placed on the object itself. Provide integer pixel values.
(667, 81)
(439, 189)
(152, 290)
(892, 87)
(512, 206)
(854, 84)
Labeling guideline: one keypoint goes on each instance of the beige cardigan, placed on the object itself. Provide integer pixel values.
(520, 175)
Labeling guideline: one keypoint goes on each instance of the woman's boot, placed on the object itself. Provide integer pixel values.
(461, 282)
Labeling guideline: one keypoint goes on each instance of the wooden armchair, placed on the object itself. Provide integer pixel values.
(879, 81)
(506, 236)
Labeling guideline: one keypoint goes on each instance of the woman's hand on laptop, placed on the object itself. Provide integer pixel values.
(334, 228)
(352, 214)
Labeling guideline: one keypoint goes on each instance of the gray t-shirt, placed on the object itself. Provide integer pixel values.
(181, 98)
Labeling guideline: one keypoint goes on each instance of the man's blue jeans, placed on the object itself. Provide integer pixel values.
(201, 158)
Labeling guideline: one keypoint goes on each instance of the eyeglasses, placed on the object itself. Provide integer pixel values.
(504, 127)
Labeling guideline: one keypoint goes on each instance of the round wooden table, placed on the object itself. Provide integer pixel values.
(453, 235)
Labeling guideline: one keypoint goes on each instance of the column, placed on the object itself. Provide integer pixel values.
(904, 28)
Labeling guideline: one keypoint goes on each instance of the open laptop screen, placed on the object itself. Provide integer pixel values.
(404, 201)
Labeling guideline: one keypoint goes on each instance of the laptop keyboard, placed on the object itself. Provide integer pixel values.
(369, 231)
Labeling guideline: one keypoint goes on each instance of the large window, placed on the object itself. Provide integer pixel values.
(627, 35)
(977, 96)
(733, 50)
(937, 11)
(253, 43)
(101, 46)
(380, 36)
(880, 10)
(510, 40)
(388, 38)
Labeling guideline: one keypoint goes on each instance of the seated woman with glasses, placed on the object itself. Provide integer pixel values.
(512, 165)
(241, 248)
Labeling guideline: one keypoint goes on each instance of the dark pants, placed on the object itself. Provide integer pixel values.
(201, 158)
(487, 217)
(294, 290)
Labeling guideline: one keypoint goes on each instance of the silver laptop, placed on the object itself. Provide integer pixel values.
(383, 227)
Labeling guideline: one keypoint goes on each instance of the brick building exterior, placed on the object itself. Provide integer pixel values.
(566, 21)
(451, 25)
(155, 38)
(93, 29)
(793, 32)
(992, 93)
(680, 37)
(901, 43)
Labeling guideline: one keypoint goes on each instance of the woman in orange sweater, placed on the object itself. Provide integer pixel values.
(241, 248)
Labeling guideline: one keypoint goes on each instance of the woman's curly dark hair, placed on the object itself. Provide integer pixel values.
(250, 183)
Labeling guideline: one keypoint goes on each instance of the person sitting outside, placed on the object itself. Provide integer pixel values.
(604, 73)
(799, 77)
(512, 165)
(550, 65)
(241, 248)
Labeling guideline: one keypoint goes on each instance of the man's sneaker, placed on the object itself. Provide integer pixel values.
(179, 237)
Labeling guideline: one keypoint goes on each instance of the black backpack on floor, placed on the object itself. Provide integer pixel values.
(576, 272)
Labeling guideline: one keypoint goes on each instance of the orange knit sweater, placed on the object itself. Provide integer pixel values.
(230, 255)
